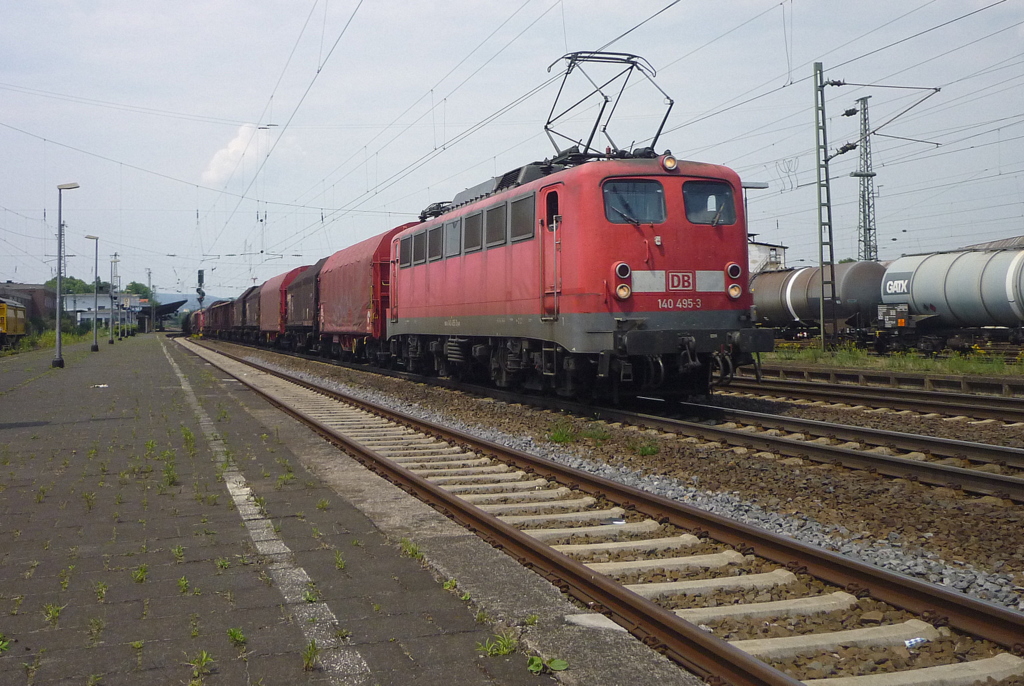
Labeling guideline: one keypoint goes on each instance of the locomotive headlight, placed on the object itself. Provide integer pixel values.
(735, 290)
(622, 270)
(733, 270)
(669, 163)
(623, 291)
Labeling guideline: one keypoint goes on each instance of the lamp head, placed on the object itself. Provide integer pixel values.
(67, 186)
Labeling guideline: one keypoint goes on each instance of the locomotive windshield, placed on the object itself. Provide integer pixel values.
(634, 202)
(709, 202)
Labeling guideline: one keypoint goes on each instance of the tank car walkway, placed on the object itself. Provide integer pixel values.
(160, 524)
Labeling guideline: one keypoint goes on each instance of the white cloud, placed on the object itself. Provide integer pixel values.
(225, 161)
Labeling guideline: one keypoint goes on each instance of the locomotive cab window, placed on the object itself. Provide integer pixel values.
(522, 218)
(638, 201)
(472, 238)
(452, 239)
(709, 202)
(405, 252)
(435, 243)
(419, 248)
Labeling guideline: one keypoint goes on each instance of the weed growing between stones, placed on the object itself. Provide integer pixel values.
(51, 613)
(310, 656)
(140, 573)
(96, 626)
(237, 637)
(410, 549)
(538, 665)
(200, 664)
(503, 643)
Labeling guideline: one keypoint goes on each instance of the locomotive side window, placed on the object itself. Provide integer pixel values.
(522, 218)
(419, 248)
(709, 202)
(473, 232)
(552, 210)
(435, 243)
(405, 252)
(452, 239)
(637, 202)
(496, 230)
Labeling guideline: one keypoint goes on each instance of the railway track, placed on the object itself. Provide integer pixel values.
(1000, 408)
(977, 468)
(680, 579)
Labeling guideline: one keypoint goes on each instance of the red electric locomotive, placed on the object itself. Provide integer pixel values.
(611, 276)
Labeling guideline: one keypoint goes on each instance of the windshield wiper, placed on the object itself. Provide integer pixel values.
(718, 215)
(625, 216)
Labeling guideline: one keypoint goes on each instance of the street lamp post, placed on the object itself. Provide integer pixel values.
(58, 359)
(95, 294)
(113, 263)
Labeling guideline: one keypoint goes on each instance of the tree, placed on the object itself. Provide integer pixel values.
(141, 290)
(70, 284)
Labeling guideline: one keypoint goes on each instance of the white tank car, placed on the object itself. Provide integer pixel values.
(959, 289)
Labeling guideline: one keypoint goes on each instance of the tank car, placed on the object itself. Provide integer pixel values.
(273, 307)
(609, 277)
(13, 318)
(790, 299)
(952, 299)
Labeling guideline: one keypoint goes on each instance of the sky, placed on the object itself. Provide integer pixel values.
(248, 138)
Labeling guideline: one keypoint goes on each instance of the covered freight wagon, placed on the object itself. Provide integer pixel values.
(354, 297)
(274, 305)
(303, 300)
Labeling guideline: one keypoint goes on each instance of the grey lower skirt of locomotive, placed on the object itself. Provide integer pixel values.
(932, 302)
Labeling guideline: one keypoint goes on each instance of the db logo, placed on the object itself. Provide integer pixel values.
(900, 286)
(680, 281)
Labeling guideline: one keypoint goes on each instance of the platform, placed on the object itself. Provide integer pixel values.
(153, 511)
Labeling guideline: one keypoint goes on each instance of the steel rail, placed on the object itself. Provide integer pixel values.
(898, 467)
(658, 628)
(947, 447)
(933, 603)
(980, 406)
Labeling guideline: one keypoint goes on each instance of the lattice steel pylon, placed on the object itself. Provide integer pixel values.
(867, 241)
(826, 253)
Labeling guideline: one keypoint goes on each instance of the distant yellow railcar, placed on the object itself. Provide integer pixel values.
(12, 322)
